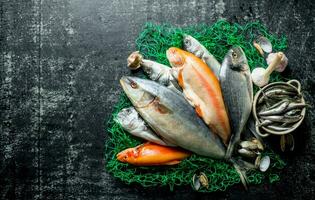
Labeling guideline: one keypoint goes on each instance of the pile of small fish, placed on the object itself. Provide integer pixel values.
(279, 110)
(196, 106)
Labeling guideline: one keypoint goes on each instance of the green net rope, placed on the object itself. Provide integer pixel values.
(153, 42)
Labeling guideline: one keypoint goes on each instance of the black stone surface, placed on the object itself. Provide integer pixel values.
(60, 65)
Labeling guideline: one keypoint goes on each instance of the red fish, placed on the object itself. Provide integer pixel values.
(202, 89)
(150, 154)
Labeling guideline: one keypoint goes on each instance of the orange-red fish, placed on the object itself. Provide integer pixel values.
(149, 154)
(202, 89)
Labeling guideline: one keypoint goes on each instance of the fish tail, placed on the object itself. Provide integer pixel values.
(234, 139)
(230, 148)
(241, 172)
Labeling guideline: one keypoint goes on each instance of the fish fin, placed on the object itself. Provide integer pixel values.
(180, 79)
(230, 147)
(161, 108)
(174, 162)
(175, 84)
(198, 110)
(242, 174)
(188, 98)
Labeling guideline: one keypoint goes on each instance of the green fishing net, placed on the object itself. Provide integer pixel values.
(153, 42)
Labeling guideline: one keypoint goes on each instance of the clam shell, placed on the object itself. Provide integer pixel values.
(246, 153)
(264, 44)
(282, 143)
(290, 141)
(203, 179)
(248, 145)
(134, 60)
(196, 182)
(257, 161)
(264, 163)
(259, 144)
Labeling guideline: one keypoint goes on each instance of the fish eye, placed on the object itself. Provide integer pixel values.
(133, 85)
(187, 42)
(234, 55)
(149, 70)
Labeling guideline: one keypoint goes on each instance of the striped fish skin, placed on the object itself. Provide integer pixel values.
(237, 89)
(172, 117)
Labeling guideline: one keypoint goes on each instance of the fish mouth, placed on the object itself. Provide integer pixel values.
(124, 81)
(121, 156)
(137, 99)
(170, 54)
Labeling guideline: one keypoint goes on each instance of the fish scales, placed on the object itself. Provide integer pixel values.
(172, 117)
(237, 92)
(202, 89)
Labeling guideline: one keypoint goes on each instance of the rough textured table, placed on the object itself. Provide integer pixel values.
(60, 65)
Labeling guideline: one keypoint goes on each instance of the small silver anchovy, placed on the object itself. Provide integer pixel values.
(276, 110)
(278, 91)
(285, 119)
(277, 128)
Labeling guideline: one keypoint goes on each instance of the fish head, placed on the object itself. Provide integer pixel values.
(189, 42)
(127, 155)
(236, 59)
(141, 92)
(176, 57)
(126, 117)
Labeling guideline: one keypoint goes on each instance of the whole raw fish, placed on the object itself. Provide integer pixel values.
(193, 46)
(237, 89)
(130, 120)
(150, 154)
(202, 89)
(156, 71)
(171, 117)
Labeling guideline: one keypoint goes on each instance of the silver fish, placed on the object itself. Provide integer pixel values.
(278, 91)
(292, 106)
(278, 104)
(237, 90)
(193, 46)
(265, 123)
(293, 112)
(130, 120)
(172, 117)
(277, 110)
(286, 119)
(278, 128)
(156, 71)
(283, 87)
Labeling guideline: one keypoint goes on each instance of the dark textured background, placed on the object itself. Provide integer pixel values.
(60, 65)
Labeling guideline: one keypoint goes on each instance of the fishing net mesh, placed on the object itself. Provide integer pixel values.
(153, 42)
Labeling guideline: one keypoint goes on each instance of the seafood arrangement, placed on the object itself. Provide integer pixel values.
(279, 108)
(197, 106)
